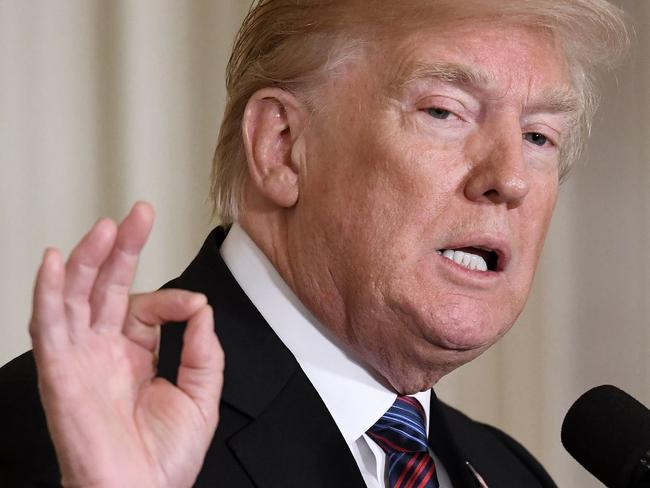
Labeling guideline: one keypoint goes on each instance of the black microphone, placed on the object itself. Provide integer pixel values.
(608, 432)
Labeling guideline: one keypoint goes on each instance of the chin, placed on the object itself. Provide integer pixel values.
(458, 324)
(471, 338)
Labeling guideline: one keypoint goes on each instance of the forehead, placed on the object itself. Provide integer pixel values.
(493, 57)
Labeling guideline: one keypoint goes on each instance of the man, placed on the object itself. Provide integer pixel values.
(389, 170)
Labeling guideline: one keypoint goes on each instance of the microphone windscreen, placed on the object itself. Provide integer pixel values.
(608, 432)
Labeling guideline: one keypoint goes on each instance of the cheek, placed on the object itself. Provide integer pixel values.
(536, 218)
(410, 186)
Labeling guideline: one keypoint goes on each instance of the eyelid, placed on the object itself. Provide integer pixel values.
(551, 127)
(443, 102)
(454, 107)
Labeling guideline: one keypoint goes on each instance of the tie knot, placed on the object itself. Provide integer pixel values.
(401, 428)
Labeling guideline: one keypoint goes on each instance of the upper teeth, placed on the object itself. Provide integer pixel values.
(465, 259)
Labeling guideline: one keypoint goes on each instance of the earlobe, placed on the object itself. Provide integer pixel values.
(272, 127)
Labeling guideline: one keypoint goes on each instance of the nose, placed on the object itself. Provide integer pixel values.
(499, 173)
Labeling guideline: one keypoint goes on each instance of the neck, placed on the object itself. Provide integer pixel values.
(294, 255)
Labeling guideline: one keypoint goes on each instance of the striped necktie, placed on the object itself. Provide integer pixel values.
(401, 433)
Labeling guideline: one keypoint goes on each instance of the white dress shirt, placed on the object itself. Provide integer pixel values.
(354, 394)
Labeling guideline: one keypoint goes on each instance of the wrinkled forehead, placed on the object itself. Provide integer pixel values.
(401, 27)
(496, 55)
(475, 53)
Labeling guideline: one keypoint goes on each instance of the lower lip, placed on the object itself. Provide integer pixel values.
(465, 274)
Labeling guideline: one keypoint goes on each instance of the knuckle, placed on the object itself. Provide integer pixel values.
(73, 302)
(119, 289)
(34, 329)
(128, 254)
(77, 263)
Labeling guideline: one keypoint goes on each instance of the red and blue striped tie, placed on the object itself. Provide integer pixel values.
(401, 433)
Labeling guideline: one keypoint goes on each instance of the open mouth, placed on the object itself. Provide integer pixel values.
(473, 258)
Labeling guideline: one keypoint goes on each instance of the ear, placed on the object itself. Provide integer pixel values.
(273, 123)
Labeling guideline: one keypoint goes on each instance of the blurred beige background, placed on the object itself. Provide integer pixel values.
(103, 102)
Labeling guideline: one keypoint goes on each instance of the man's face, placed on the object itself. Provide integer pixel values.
(445, 142)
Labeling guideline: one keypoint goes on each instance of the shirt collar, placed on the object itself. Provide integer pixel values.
(355, 395)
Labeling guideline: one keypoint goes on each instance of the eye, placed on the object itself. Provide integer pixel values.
(439, 113)
(536, 138)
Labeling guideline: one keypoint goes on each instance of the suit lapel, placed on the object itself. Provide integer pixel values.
(291, 439)
(443, 444)
(295, 442)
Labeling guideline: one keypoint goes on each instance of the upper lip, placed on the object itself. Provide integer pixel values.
(500, 246)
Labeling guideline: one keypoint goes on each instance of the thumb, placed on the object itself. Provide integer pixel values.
(200, 374)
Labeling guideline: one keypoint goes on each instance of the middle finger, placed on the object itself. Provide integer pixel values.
(110, 296)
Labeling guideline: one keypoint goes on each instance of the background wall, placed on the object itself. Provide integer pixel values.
(106, 102)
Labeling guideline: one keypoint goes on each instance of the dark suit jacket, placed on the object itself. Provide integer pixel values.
(274, 432)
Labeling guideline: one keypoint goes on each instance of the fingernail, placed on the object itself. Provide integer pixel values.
(51, 257)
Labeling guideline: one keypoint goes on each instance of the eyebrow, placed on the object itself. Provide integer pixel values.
(555, 101)
(563, 100)
(447, 72)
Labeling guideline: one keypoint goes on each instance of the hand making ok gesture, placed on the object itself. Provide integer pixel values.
(112, 421)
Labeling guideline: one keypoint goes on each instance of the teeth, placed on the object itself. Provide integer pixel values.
(465, 259)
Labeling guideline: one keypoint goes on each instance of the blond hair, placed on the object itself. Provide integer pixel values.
(297, 44)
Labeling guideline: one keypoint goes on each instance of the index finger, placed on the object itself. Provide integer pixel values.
(47, 326)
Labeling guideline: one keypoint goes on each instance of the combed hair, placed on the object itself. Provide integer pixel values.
(297, 44)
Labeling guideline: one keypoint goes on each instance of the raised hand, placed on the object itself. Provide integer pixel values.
(113, 423)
